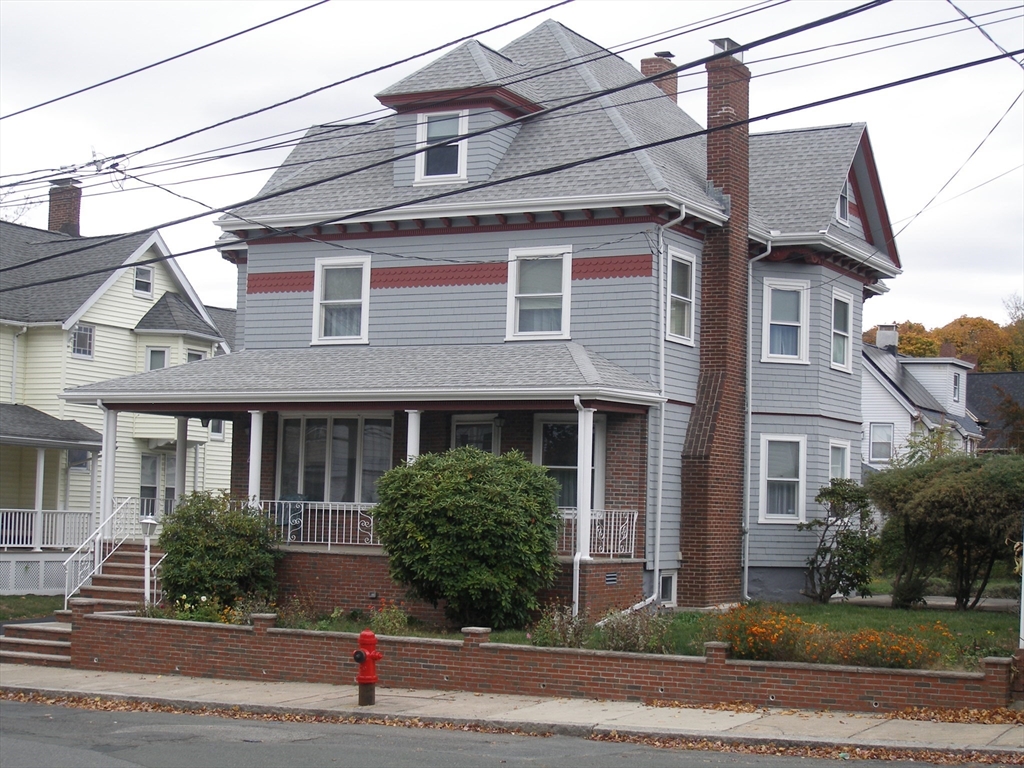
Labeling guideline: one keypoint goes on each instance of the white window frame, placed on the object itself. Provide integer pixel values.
(801, 493)
(843, 204)
(845, 446)
(847, 299)
(89, 331)
(137, 275)
(84, 466)
(956, 386)
(600, 440)
(217, 434)
(149, 358)
(421, 177)
(803, 343)
(686, 258)
(197, 353)
(342, 261)
(669, 600)
(480, 418)
(872, 441)
(515, 255)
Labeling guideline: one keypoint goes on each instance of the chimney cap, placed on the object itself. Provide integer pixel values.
(66, 182)
(664, 54)
(723, 44)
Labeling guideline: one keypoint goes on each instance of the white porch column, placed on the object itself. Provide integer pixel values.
(584, 473)
(413, 437)
(94, 463)
(255, 455)
(109, 462)
(180, 458)
(37, 528)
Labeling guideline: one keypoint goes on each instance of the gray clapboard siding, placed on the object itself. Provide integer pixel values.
(677, 418)
(240, 328)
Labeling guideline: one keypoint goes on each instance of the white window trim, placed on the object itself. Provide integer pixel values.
(871, 441)
(803, 353)
(511, 317)
(600, 439)
(342, 261)
(167, 357)
(135, 281)
(674, 256)
(669, 600)
(843, 296)
(845, 445)
(92, 341)
(957, 384)
(421, 178)
(844, 194)
(480, 418)
(214, 435)
(801, 493)
(189, 352)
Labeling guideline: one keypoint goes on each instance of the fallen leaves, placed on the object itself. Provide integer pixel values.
(999, 716)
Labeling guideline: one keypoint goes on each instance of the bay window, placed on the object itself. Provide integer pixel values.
(785, 323)
(783, 475)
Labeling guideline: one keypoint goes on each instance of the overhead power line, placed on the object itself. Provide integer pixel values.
(540, 172)
(164, 61)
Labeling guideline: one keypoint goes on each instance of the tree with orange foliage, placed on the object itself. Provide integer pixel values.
(978, 337)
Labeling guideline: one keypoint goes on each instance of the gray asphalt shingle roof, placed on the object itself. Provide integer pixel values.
(351, 373)
(173, 313)
(225, 320)
(54, 302)
(23, 425)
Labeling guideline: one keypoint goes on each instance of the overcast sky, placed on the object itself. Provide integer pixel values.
(962, 256)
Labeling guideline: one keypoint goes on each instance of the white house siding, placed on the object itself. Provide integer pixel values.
(937, 378)
(880, 406)
(17, 478)
(6, 361)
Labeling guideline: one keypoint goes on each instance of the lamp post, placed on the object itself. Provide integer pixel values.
(149, 524)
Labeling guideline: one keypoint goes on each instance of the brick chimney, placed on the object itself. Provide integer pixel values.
(65, 207)
(661, 62)
(713, 458)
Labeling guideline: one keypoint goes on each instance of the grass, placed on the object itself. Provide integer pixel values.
(29, 606)
(998, 586)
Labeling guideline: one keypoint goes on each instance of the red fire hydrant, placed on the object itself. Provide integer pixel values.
(366, 657)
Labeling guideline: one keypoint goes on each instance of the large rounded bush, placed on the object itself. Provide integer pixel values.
(473, 529)
(217, 549)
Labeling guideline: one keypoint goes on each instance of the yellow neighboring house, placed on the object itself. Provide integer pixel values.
(61, 327)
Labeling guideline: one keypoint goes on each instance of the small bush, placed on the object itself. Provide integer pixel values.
(641, 631)
(218, 550)
(388, 618)
(558, 628)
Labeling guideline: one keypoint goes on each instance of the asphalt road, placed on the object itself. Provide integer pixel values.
(34, 735)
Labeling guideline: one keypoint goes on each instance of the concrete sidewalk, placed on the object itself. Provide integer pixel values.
(577, 717)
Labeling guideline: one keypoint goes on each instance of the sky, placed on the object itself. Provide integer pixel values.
(963, 255)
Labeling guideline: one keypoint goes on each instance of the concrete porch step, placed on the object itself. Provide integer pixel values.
(29, 645)
(133, 595)
(47, 631)
(38, 659)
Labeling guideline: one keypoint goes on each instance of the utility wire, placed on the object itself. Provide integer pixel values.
(164, 61)
(540, 172)
(986, 34)
(549, 110)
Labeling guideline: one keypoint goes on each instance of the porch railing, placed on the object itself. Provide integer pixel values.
(43, 529)
(612, 531)
(88, 559)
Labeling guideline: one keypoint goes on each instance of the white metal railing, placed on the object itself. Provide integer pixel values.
(330, 523)
(156, 589)
(88, 559)
(612, 532)
(43, 529)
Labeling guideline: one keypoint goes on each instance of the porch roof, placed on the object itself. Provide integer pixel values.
(22, 425)
(355, 374)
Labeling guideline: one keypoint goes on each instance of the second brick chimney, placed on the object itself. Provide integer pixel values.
(65, 207)
(662, 62)
(713, 458)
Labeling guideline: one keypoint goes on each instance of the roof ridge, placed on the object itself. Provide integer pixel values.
(809, 129)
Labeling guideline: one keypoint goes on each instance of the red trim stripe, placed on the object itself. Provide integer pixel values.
(279, 282)
(491, 273)
(639, 265)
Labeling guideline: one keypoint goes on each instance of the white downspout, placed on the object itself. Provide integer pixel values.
(14, 364)
(747, 427)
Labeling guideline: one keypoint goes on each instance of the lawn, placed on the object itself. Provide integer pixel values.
(29, 606)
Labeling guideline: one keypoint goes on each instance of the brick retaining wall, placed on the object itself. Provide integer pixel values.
(114, 642)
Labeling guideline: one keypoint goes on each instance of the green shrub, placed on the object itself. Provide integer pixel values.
(475, 530)
(558, 628)
(641, 631)
(217, 550)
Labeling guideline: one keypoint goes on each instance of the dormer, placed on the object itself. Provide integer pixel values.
(944, 377)
(471, 89)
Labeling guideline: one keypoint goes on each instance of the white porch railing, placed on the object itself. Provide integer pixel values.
(121, 524)
(612, 532)
(43, 529)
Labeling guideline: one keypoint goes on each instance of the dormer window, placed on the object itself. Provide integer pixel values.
(441, 162)
(843, 205)
(956, 387)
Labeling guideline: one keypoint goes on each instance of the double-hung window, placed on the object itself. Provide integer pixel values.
(82, 340)
(143, 285)
(556, 446)
(680, 299)
(442, 159)
(341, 295)
(839, 459)
(785, 323)
(843, 204)
(842, 320)
(783, 475)
(149, 478)
(339, 458)
(956, 387)
(538, 293)
(157, 358)
(880, 437)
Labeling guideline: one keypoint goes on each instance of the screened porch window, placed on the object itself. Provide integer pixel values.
(334, 458)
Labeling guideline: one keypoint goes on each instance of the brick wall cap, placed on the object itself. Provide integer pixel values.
(716, 644)
(998, 661)
(476, 630)
(213, 625)
(852, 670)
(264, 616)
(589, 653)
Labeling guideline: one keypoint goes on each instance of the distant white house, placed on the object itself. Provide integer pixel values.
(137, 313)
(905, 397)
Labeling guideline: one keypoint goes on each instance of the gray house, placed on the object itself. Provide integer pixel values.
(673, 329)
